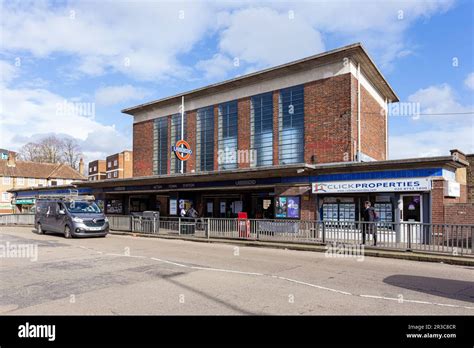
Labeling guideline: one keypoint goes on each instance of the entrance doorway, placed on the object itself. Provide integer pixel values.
(411, 218)
(412, 208)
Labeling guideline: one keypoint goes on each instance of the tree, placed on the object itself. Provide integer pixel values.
(52, 149)
(30, 152)
(71, 152)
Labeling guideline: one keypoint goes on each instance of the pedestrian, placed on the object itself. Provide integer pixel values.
(369, 215)
(192, 213)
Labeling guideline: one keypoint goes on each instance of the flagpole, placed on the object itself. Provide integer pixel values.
(182, 129)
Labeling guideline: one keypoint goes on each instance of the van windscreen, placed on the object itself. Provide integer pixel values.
(82, 207)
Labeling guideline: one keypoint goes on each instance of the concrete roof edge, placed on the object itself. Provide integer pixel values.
(357, 45)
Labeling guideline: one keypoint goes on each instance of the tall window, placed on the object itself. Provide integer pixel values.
(228, 135)
(205, 139)
(160, 146)
(175, 136)
(262, 128)
(291, 125)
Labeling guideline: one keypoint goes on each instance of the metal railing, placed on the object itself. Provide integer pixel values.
(455, 239)
(17, 219)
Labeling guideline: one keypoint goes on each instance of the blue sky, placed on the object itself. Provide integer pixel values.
(116, 55)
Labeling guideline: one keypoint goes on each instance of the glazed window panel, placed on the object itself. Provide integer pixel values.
(205, 139)
(175, 136)
(261, 111)
(160, 146)
(291, 125)
(228, 129)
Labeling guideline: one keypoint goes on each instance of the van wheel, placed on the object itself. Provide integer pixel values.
(67, 232)
(39, 229)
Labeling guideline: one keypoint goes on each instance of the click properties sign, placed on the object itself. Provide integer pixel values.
(381, 185)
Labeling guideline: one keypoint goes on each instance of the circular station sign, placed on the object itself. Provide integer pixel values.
(182, 150)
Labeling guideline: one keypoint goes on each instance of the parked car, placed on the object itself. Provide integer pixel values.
(76, 217)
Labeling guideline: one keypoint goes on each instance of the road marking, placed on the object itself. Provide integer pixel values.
(226, 270)
(315, 286)
(414, 301)
(286, 279)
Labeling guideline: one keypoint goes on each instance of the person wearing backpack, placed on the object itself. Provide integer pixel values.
(369, 215)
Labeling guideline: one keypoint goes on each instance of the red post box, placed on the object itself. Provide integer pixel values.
(243, 225)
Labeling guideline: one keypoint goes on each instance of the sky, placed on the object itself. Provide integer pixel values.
(69, 67)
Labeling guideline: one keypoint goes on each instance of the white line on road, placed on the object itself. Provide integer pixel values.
(286, 279)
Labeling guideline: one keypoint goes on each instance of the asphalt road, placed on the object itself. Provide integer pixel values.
(133, 275)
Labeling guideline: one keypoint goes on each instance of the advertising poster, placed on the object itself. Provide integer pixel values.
(173, 207)
(293, 207)
(281, 207)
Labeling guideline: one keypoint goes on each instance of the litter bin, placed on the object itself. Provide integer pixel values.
(188, 226)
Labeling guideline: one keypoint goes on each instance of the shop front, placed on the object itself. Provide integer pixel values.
(395, 200)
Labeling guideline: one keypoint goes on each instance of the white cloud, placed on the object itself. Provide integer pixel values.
(7, 72)
(265, 36)
(469, 81)
(438, 99)
(434, 135)
(145, 40)
(139, 39)
(433, 142)
(27, 113)
(217, 67)
(111, 95)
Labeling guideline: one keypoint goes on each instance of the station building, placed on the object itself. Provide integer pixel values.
(303, 140)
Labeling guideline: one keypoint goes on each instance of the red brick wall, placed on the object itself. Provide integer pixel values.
(459, 213)
(437, 202)
(470, 178)
(276, 138)
(191, 139)
(243, 137)
(143, 148)
(372, 126)
(443, 207)
(328, 119)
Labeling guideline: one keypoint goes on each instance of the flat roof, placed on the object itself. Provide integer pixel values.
(280, 170)
(354, 51)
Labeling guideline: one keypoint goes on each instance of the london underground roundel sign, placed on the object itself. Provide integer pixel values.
(182, 150)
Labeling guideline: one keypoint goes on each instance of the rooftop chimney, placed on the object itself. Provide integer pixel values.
(81, 166)
(458, 155)
(11, 161)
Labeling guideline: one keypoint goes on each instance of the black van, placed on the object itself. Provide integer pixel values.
(74, 217)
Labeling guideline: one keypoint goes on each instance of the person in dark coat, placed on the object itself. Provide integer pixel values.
(370, 222)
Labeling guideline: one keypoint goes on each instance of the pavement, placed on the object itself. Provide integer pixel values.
(122, 274)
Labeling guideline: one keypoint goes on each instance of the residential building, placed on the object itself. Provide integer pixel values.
(25, 174)
(96, 170)
(119, 165)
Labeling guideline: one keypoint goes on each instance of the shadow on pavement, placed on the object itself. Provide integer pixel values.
(461, 290)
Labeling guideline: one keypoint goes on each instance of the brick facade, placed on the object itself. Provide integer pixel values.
(143, 148)
(470, 178)
(330, 127)
(327, 113)
(459, 213)
(243, 136)
(191, 139)
(372, 126)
